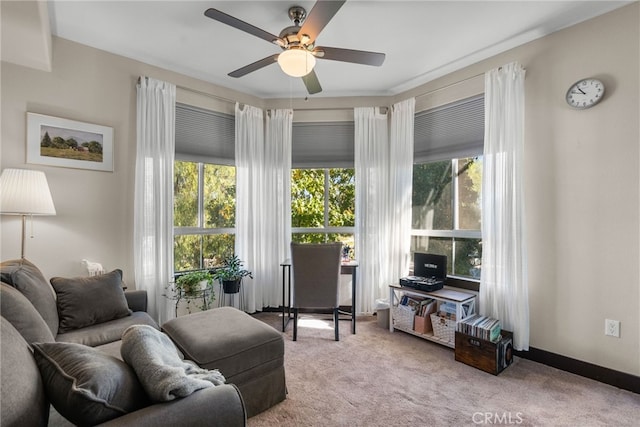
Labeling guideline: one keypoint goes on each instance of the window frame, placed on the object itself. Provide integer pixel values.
(455, 233)
(200, 230)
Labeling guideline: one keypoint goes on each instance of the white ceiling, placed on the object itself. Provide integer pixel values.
(423, 40)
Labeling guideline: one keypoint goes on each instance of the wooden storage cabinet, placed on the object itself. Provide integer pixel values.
(491, 357)
(465, 305)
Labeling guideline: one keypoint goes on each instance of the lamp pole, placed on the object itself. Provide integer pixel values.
(24, 232)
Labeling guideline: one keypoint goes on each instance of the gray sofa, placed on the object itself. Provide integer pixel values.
(63, 347)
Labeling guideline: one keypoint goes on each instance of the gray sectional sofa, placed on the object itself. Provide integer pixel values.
(61, 346)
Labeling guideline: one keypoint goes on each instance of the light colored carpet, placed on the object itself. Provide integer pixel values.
(378, 378)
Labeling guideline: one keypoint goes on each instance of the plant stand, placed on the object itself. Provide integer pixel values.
(232, 291)
(203, 294)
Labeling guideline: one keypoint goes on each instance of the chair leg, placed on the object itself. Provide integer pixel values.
(336, 323)
(295, 324)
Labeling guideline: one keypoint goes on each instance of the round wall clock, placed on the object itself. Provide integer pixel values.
(585, 93)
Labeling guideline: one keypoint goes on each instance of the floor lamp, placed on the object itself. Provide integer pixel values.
(25, 192)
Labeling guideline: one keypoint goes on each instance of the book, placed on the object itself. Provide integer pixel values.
(415, 303)
(482, 327)
(427, 307)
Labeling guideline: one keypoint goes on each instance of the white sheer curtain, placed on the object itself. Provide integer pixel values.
(384, 171)
(372, 223)
(153, 201)
(277, 208)
(401, 180)
(250, 200)
(503, 285)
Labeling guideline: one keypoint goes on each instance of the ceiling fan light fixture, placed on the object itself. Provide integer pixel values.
(296, 62)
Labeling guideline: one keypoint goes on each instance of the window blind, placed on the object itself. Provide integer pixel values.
(204, 135)
(322, 145)
(450, 131)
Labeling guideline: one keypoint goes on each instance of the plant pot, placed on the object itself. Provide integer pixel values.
(231, 286)
(197, 289)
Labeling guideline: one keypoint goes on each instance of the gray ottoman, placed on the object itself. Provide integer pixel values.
(248, 352)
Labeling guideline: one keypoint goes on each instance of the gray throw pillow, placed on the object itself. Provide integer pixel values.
(87, 386)
(17, 309)
(24, 402)
(86, 301)
(28, 279)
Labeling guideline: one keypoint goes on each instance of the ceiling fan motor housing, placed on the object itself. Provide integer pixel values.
(290, 34)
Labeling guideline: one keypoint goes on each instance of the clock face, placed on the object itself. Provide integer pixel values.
(585, 93)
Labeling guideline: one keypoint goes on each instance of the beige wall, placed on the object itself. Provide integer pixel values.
(582, 178)
(582, 185)
(94, 209)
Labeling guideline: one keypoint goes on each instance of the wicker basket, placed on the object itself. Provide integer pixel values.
(443, 328)
(403, 316)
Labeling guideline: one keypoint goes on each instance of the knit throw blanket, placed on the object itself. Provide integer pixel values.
(160, 367)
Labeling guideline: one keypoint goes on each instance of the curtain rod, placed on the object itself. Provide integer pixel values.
(454, 84)
(210, 95)
(295, 109)
(383, 108)
(449, 85)
(387, 107)
(199, 92)
(233, 101)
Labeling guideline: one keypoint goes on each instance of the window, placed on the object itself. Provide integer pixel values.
(323, 183)
(204, 214)
(446, 213)
(447, 180)
(204, 188)
(323, 205)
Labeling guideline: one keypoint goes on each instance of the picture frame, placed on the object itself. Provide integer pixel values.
(55, 141)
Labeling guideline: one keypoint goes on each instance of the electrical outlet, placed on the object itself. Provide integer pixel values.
(612, 328)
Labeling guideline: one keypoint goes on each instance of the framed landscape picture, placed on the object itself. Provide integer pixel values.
(68, 143)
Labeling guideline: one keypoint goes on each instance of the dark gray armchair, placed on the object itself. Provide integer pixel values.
(316, 275)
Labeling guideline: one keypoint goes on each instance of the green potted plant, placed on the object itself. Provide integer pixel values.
(193, 282)
(230, 274)
(192, 286)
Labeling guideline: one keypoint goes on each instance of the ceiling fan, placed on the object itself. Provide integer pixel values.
(298, 43)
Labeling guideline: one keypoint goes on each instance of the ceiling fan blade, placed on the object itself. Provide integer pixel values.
(240, 25)
(255, 66)
(319, 17)
(312, 83)
(349, 55)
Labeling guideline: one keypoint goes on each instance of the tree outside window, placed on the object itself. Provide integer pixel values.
(323, 206)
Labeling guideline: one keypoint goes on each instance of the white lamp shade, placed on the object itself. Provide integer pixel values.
(25, 192)
(296, 62)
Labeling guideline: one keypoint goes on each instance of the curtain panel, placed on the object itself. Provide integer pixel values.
(503, 284)
(384, 168)
(153, 201)
(263, 201)
(372, 222)
(401, 181)
(249, 153)
(277, 191)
